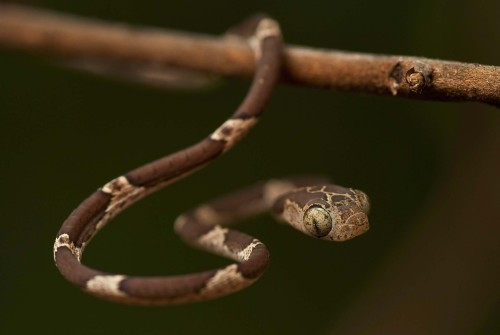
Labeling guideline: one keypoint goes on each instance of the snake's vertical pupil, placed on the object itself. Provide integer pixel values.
(317, 221)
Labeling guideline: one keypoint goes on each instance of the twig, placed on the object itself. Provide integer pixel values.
(61, 35)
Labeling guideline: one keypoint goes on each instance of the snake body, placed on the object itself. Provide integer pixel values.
(310, 205)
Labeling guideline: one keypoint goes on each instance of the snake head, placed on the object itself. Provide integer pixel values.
(330, 212)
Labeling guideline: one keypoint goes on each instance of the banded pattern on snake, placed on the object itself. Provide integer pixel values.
(311, 205)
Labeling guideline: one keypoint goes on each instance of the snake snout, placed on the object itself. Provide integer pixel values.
(355, 225)
(358, 224)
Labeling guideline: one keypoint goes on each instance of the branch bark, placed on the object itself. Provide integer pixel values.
(61, 35)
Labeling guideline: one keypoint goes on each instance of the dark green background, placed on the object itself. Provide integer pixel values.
(65, 133)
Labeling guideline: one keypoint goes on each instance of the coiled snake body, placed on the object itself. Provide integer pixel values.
(309, 204)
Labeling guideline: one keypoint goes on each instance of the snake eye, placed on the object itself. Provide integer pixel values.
(317, 221)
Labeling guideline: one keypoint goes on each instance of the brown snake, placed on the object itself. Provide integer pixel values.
(311, 205)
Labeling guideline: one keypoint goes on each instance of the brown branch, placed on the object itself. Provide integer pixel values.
(62, 35)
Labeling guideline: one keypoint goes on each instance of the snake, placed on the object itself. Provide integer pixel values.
(310, 204)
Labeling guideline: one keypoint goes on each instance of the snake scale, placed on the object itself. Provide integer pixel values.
(309, 204)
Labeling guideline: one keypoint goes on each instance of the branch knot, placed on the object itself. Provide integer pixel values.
(417, 77)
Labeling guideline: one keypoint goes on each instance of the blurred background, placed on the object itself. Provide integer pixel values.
(429, 264)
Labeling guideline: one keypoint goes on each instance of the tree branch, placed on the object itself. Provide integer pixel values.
(61, 35)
